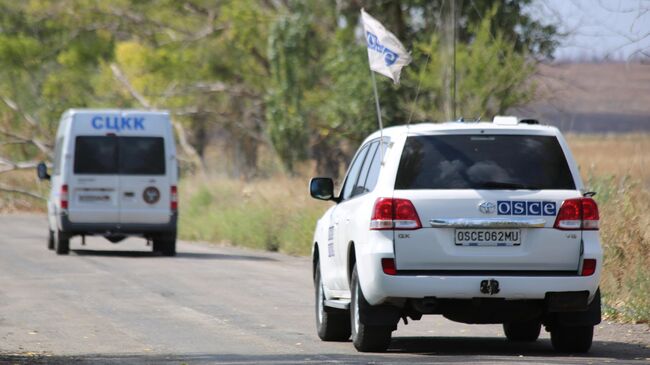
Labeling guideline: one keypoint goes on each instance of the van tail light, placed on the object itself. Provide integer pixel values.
(394, 213)
(576, 214)
(388, 266)
(64, 196)
(588, 267)
(174, 198)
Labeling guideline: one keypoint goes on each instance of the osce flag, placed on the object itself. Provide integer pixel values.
(385, 52)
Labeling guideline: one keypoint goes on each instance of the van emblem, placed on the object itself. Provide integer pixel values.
(151, 195)
(487, 207)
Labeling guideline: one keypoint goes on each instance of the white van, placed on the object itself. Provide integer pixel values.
(115, 175)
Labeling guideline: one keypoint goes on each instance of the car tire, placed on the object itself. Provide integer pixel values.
(572, 339)
(50, 240)
(524, 331)
(364, 337)
(165, 244)
(61, 243)
(332, 324)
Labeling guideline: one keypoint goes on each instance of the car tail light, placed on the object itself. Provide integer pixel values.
(588, 267)
(578, 213)
(394, 213)
(64, 196)
(388, 266)
(174, 198)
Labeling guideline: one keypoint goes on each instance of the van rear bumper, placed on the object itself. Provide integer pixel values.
(117, 228)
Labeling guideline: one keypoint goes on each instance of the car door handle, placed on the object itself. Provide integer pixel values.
(129, 194)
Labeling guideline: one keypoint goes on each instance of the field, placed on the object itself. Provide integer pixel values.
(277, 214)
(618, 169)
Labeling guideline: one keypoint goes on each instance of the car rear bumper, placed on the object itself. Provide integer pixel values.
(385, 286)
(117, 228)
(379, 287)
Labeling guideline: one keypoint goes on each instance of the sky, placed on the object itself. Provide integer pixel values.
(615, 29)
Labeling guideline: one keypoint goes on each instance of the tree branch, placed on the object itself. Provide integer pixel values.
(180, 131)
(35, 141)
(11, 189)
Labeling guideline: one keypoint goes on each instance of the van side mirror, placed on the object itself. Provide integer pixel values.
(41, 170)
(322, 188)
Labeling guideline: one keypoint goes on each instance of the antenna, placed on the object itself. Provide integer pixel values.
(453, 62)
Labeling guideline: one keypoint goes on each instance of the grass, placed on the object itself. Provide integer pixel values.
(274, 214)
(617, 168)
(16, 202)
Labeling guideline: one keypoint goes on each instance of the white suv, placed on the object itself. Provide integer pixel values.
(480, 222)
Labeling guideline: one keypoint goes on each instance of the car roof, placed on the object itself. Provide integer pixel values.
(435, 128)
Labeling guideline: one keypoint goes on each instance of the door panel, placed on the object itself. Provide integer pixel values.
(144, 183)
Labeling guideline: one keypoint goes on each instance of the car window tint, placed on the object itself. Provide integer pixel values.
(373, 173)
(142, 155)
(95, 155)
(483, 162)
(353, 174)
(360, 186)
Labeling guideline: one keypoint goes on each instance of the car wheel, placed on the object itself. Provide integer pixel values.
(61, 243)
(575, 339)
(525, 331)
(364, 337)
(332, 324)
(165, 244)
(50, 240)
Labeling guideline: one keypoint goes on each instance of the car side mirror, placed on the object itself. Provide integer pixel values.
(322, 188)
(41, 171)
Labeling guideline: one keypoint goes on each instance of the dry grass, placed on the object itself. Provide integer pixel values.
(15, 202)
(274, 214)
(618, 169)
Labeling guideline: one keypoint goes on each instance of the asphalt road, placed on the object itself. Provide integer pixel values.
(114, 304)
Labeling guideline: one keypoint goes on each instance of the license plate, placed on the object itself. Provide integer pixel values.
(488, 237)
(94, 198)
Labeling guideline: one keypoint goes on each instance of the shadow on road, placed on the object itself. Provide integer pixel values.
(432, 350)
(182, 255)
(483, 357)
(446, 346)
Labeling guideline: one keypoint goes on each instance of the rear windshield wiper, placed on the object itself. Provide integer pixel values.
(505, 185)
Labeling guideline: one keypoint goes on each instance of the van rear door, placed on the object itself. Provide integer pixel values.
(94, 183)
(145, 155)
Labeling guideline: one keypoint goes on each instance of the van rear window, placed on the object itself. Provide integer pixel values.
(105, 155)
(483, 162)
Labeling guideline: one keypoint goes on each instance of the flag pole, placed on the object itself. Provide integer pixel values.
(381, 126)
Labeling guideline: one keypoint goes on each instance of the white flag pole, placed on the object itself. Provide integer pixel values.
(386, 55)
(381, 126)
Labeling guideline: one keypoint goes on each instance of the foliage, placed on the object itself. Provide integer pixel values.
(290, 76)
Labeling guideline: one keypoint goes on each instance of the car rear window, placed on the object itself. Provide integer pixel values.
(483, 162)
(103, 155)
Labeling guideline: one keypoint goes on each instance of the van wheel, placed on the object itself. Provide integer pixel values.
(165, 244)
(50, 240)
(527, 331)
(574, 339)
(332, 324)
(364, 337)
(61, 243)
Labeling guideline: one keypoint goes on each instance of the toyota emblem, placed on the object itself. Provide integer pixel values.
(487, 207)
